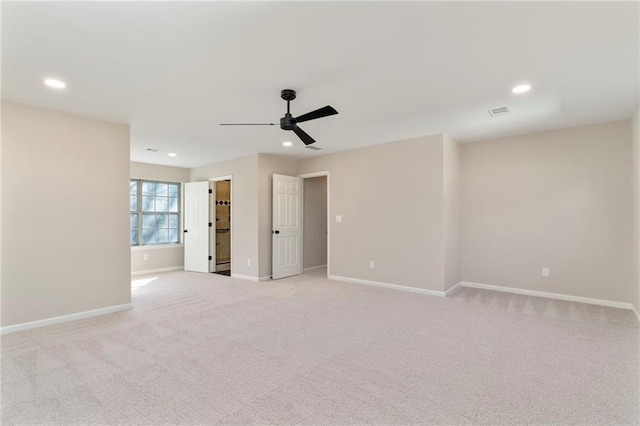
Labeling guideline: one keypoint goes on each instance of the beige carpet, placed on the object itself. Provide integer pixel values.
(204, 348)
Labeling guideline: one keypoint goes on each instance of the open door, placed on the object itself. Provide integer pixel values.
(196, 226)
(286, 228)
(221, 246)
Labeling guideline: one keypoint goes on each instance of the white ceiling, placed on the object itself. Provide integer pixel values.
(174, 71)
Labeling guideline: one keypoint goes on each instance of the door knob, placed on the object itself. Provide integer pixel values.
(276, 232)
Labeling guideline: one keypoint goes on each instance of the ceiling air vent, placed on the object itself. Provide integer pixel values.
(315, 148)
(498, 112)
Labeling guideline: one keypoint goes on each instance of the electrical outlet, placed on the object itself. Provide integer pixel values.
(145, 256)
(372, 264)
(545, 272)
(248, 262)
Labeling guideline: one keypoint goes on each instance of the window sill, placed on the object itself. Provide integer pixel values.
(156, 247)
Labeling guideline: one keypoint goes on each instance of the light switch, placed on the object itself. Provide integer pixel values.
(338, 218)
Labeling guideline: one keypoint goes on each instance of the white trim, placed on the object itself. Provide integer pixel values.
(548, 295)
(244, 277)
(635, 312)
(314, 267)
(313, 175)
(64, 318)
(387, 285)
(446, 292)
(217, 179)
(156, 247)
(252, 278)
(157, 271)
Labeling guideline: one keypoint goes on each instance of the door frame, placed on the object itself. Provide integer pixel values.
(309, 176)
(212, 217)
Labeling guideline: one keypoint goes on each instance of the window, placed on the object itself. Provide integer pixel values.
(155, 212)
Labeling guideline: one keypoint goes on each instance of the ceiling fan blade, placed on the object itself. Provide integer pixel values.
(319, 113)
(247, 124)
(308, 140)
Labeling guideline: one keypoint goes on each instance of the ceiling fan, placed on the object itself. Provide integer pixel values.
(288, 122)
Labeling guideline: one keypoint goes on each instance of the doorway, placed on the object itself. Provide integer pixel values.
(221, 231)
(315, 244)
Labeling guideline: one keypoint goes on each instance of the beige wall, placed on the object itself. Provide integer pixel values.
(158, 172)
(315, 222)
(65, 214)
(268, 165)
(390, 198)
(560, 199)
(635, 160)
(158, 257)
(451, 211)
(244, 209)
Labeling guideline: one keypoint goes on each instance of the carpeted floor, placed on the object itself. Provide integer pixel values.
(204, 348)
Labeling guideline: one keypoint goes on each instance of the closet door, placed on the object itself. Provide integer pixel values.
(286, 226)
(196, 226)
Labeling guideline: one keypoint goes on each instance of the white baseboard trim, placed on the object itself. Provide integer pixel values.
(244, 277)
(251, 278)
(548, 295)
(311, 268)
(448, 291)
(65, 318)
(388, 285)
(157, 271)
(635, 311)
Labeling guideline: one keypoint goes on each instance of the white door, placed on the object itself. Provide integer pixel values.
(286, 228)
(211, 217)
(196, 226)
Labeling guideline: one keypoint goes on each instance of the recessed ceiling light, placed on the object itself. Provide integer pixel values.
(56, 84)
(287, 143)
(172, 154)
(521, 88)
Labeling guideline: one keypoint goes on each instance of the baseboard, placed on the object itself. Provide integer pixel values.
(244, 277)
(635, 311)
(388, 285)
(157, 271)
(265, 278)
(548, 295)
(65, 318)
(250, 277)
(314, 267)
(448, 291)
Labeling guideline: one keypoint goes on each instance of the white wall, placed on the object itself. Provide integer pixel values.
(163, 256)
(244, 209)
(559, 199)
(391, 199)
(65, 214)
(635, 161)
(315, 222)
(451, 211)
(158, 172)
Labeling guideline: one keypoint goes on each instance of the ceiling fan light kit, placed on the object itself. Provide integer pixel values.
(289, 122)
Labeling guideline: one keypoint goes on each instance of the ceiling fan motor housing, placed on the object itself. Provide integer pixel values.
(288, 122)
